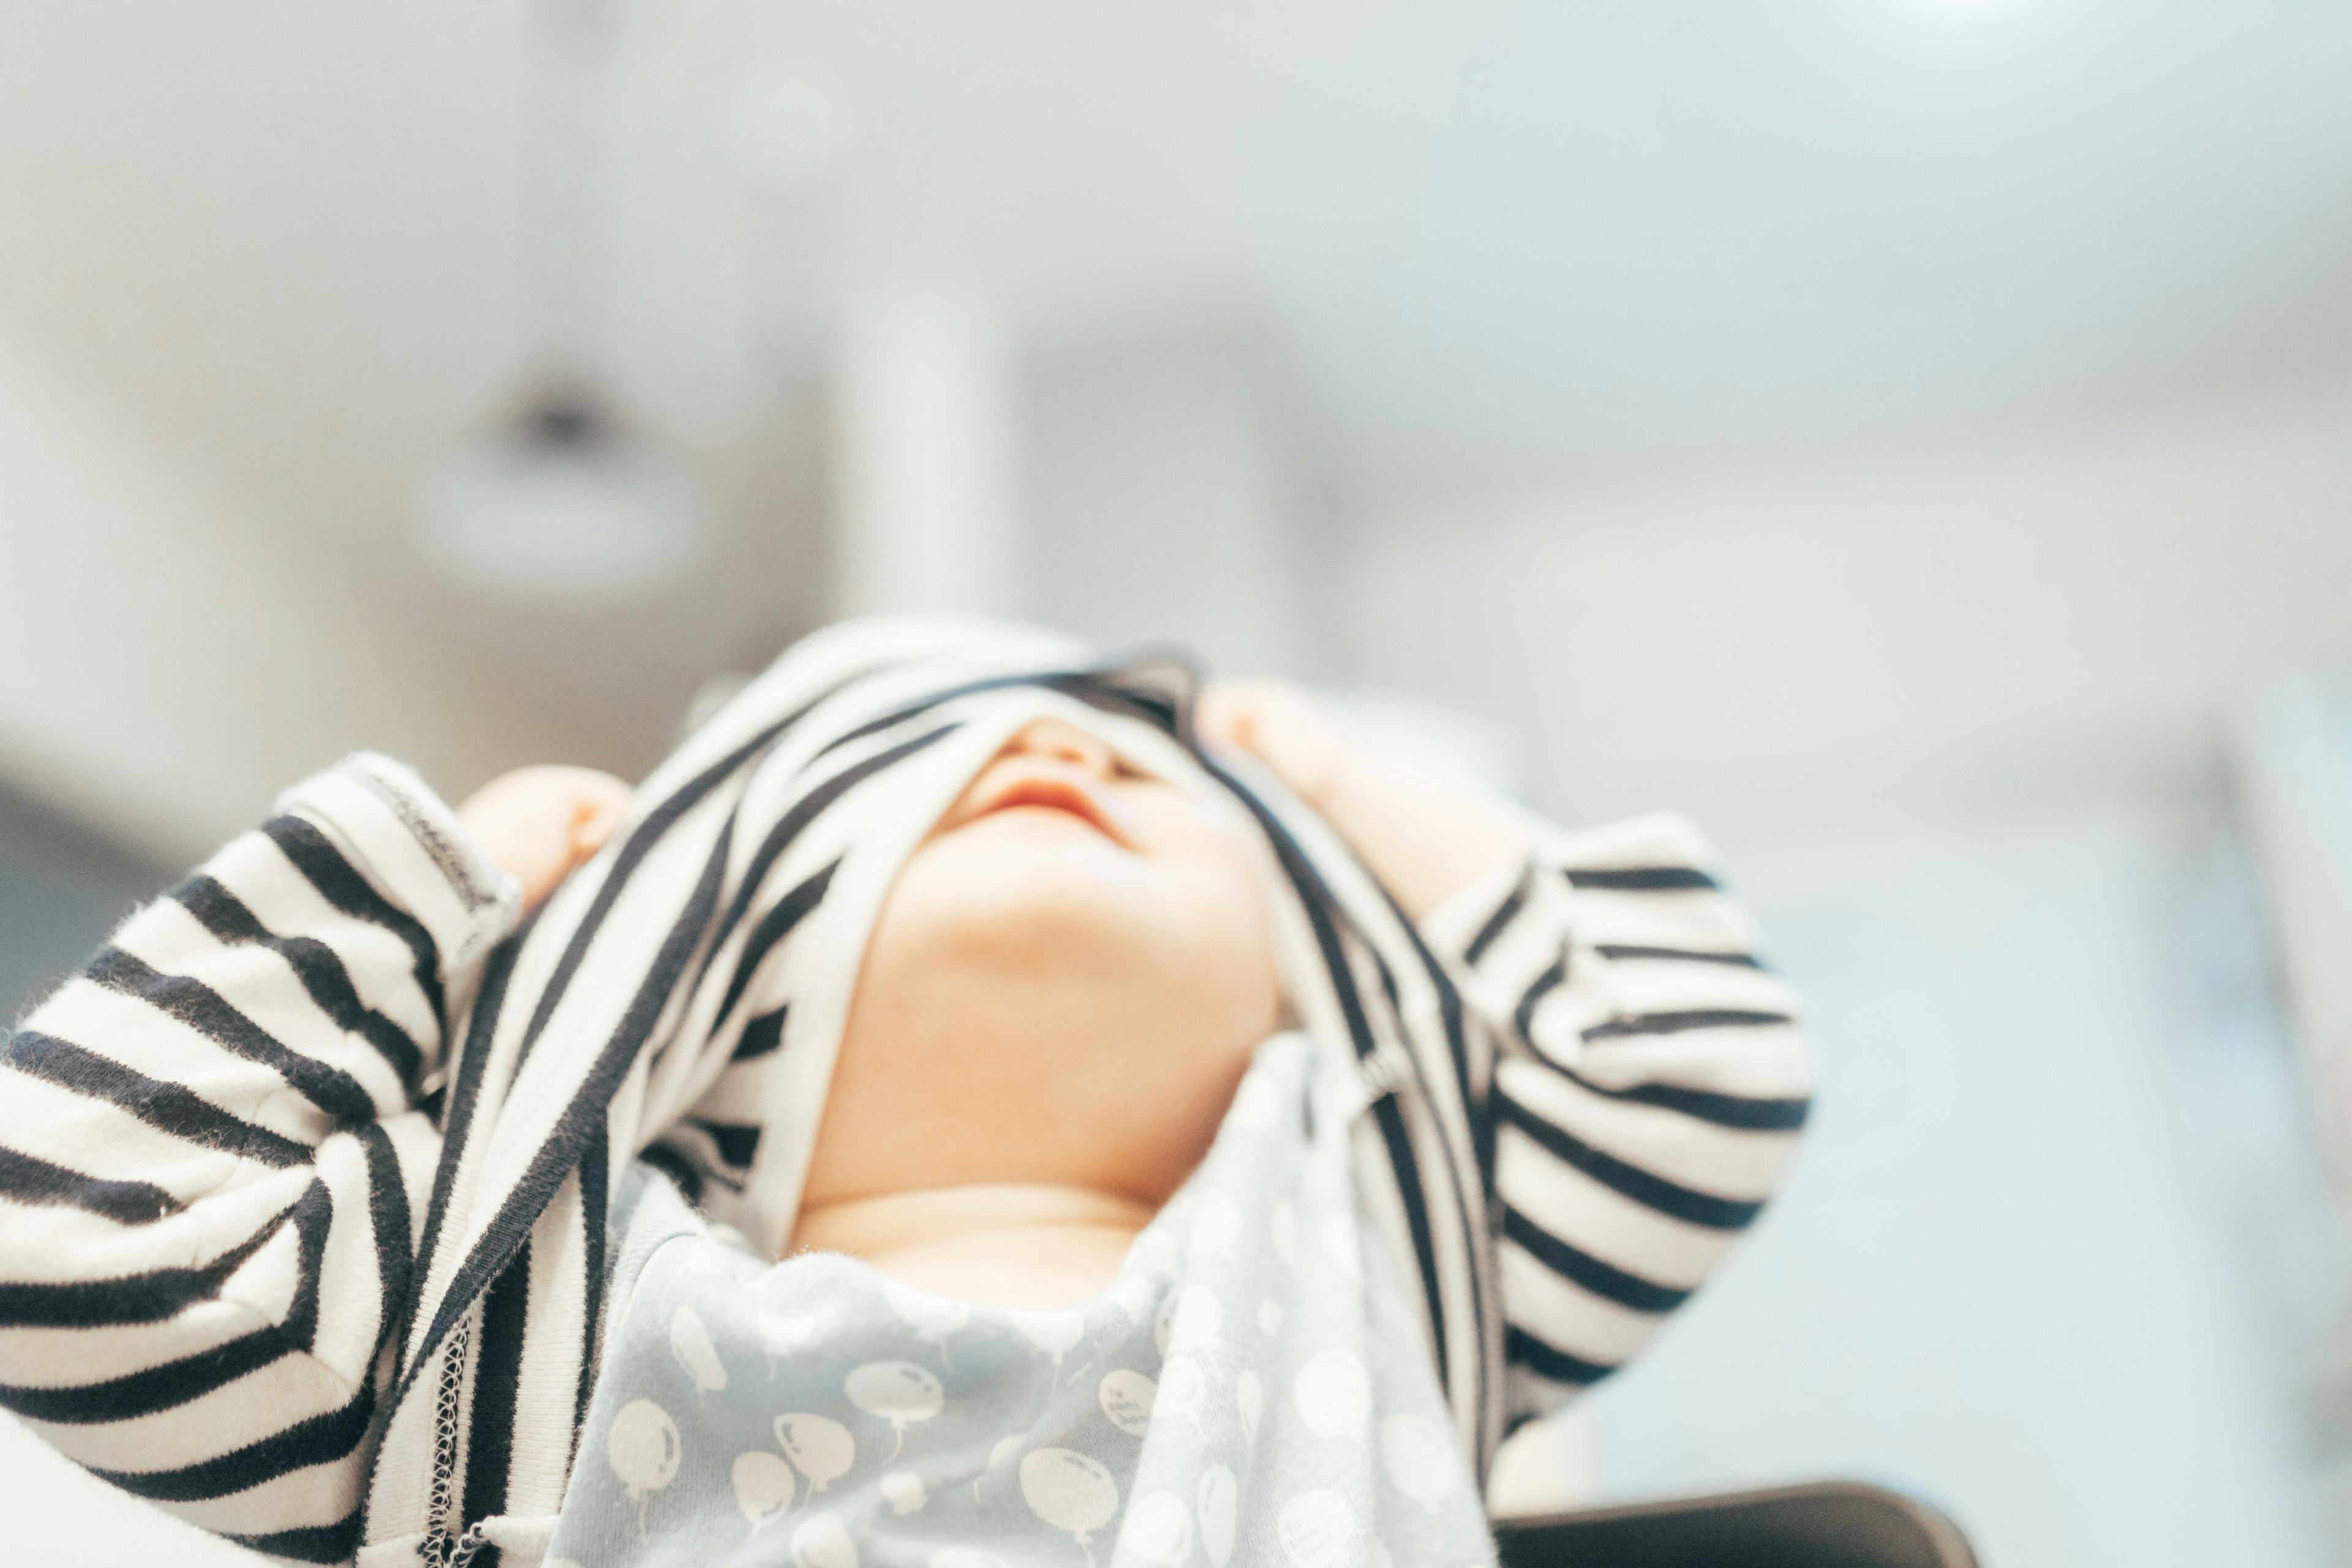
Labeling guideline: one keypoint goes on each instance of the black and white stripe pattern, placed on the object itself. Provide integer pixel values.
(303, 1184)
(212, 1165)
(1651, 1087)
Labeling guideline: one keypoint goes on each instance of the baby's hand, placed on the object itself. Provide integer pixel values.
(1280, 724)
(538, 824)
(1424, 832)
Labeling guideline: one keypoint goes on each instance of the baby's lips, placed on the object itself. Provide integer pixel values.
(1061, 789)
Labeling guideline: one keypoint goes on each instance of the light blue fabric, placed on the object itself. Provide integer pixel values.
(1254, 1387)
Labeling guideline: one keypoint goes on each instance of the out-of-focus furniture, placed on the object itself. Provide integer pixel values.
(1828, 1524)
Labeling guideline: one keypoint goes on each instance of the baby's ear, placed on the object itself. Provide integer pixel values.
(538, 824)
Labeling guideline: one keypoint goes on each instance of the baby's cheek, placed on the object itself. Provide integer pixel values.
(1237, 974)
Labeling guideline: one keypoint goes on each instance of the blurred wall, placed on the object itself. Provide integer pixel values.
(171, 672)
(1815, 648)
(1953, 711)
(1999, 1275)
(1166, 500)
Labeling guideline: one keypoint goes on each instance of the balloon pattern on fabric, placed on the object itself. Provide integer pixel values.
(819, 1447)
(1070, 1492)
(1269, 1429)
(764, 1486)
(1184, 1391)
(1316, 1530)
(784, 1334)
(898, 1392)
(1057, 1333)
(933, 1318)
(1138, 1295)
(1158, 1530)
(1126, 1398)
(1333, 1394)
(690, 1341)
(644, 1451)
(1284, 1225)
(1422, 1458)
(697, 1262)
(1219, 1499)
(1216, 1225)
(1199, 1317)
(998, 1457)
(1249, 1398)
(1340, 1246)
(903, 1490)
(823, 1541)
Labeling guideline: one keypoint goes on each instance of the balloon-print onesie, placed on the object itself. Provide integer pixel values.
(1253, 1387)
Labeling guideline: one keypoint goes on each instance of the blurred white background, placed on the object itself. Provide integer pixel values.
(1900, 433)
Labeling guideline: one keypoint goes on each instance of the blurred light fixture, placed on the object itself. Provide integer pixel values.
(562, 501)
(563, 498)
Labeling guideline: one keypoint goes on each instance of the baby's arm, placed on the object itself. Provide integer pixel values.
(1647, 1097)
(213, 1165)
(1651, 1080)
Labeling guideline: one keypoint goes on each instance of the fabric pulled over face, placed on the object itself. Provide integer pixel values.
(807, 984)
(722, 927)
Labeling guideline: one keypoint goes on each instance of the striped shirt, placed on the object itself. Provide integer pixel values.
(304, 1179)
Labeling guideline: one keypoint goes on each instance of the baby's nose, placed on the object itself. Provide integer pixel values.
(1063, 741)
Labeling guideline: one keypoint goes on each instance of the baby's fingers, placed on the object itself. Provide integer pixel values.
(538, 824)
(1281, 725)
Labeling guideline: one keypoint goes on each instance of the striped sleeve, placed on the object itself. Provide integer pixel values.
(212, 1166)
(1651, 1084)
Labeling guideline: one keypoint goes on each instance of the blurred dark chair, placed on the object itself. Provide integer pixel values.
(1828, 1524)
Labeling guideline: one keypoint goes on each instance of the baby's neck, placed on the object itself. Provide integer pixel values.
(1000, 1244)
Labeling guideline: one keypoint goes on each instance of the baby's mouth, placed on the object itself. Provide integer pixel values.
(1050, 790)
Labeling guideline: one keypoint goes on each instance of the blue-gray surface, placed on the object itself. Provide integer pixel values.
(60, 893)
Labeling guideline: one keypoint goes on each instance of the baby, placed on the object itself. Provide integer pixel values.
(1184, 1136)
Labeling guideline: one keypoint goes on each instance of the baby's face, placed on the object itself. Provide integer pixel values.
(1062, 986)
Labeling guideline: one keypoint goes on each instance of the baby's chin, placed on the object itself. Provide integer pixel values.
(1017, 877)
(1041, 1008)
